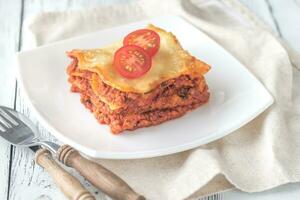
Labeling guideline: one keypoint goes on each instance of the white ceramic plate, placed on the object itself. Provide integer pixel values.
(236, 97)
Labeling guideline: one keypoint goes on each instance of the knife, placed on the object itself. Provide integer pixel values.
(19, 130)
(67, 183)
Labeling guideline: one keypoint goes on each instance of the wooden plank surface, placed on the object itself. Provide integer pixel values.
(9, 37)
(261, 10)
(286, 14)
(30, 181)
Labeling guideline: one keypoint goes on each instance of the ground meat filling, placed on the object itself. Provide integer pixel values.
(171, 99)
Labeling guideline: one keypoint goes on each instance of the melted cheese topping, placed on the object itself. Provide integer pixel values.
(171, 61)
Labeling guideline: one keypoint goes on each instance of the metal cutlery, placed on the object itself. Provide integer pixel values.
(14, 130)
(20, 131)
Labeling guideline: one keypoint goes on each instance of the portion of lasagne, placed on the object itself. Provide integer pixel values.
(172, 86)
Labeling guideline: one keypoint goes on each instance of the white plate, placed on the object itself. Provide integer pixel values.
(236, 97)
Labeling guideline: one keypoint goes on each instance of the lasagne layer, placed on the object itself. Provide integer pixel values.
(171, 61)
(129, 111)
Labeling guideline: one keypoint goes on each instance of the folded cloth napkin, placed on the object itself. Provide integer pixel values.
(263, 154)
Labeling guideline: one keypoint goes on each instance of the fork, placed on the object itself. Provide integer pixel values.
(17, 133)
(20, 131)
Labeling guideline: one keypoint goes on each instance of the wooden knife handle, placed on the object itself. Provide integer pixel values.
(99, 176)
(68, 184)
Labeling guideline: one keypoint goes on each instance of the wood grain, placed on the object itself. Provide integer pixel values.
(99, 176)
(31, 182)
(261, 10)
(28, 179)
(9, 42)
(67, 183)
(286, 14)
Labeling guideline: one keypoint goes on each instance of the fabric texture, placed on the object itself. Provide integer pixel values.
(263, 154)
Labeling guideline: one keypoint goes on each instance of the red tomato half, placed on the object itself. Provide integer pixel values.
(132, 61)
(145, 38)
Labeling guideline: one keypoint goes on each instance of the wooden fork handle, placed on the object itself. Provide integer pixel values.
(68, 184)
(99, 176)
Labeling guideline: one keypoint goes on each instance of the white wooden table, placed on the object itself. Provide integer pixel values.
(20, 178)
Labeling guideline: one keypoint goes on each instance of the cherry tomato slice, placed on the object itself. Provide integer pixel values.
(145, 38)
(132, 61)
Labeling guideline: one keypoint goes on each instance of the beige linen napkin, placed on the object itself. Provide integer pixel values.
(263, 154)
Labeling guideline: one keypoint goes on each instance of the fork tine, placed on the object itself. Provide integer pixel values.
(6, 114)
(2, 129)
(4, 124)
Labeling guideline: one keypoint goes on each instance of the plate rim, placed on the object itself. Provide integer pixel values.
(141, 154)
